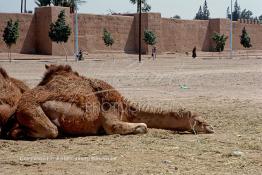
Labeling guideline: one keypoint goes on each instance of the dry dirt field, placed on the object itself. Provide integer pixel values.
(227, 92)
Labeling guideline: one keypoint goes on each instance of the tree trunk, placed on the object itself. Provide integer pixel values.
(10, 56)
(25, 7)
(65, 50)
(112, 53)
(22, 2)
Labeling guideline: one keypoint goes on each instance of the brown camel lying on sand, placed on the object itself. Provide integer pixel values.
(65, 103)
(11, 91)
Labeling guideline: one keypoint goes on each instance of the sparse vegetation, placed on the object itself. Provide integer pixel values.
(149, 37)
(145, 6)
(220, 41)
(203, 14)
(245, 39)
(260, 19)
(10, 35)
(64, 3)
(108, 39)
(43, 2)
(176, 17)
(60, 31)
(246, 14)
(238, 14)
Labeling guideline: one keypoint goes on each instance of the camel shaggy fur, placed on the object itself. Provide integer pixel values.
(65, 103)
(11, 91)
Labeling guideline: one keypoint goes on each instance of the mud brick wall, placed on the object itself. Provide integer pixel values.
(26, 40)
(91, 29)
(254, 31)
(44, 17)
(183, 35)
(172, 35)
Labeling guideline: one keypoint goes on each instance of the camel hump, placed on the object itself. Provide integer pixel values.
(3, 73)
(20, 84)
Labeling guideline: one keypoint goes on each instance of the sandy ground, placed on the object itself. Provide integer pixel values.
(227, 92)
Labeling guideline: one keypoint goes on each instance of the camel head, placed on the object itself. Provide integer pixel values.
(54, 70)
(199, 126)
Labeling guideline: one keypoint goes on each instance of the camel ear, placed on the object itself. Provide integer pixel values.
(47, 66)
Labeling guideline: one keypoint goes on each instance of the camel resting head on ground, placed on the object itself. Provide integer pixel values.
(11, 91)
(65, 103)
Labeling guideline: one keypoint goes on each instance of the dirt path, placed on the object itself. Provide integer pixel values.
(228, 93)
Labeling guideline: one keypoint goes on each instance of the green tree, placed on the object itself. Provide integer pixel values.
(60, 31)
(228, 15)
(40, 3)
(108, 39)
(176, 17)
(203, 14)
(68, 3)
(245, 39)
(199, 15)
(236, 12)
(149, 37)
(246, 14)
(145, 6)
(220, 41)
(10, 35)
(206, 12)
(260, 19)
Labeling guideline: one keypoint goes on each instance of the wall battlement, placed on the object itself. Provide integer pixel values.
(172, 35)
(249, 21)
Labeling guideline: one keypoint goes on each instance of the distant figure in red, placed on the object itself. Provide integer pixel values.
(154, 53)
(194, 55)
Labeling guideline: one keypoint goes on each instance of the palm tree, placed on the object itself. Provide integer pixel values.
(68, 3)
(43, 2)
(145, 6)
(64, 3)
(74, 3)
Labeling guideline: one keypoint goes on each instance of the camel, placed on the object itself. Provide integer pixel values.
(67, 104)
(11, 91)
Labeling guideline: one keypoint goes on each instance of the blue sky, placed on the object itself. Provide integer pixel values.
(185, 8)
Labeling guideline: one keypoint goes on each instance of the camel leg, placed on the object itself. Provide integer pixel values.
(16, 133)
(71, 119)
(35, 123)
(6, 112)
(112, 125)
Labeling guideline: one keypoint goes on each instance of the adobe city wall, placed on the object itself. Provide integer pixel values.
(91, 29)
(26, 40)
(172, 35)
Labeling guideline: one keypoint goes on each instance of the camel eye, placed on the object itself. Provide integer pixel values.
(131, 109)
(199, 123)
(106, 106)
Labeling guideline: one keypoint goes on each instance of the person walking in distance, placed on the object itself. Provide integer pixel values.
(194, 55)
(154, 53)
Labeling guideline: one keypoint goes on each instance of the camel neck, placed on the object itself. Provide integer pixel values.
(155, 118)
